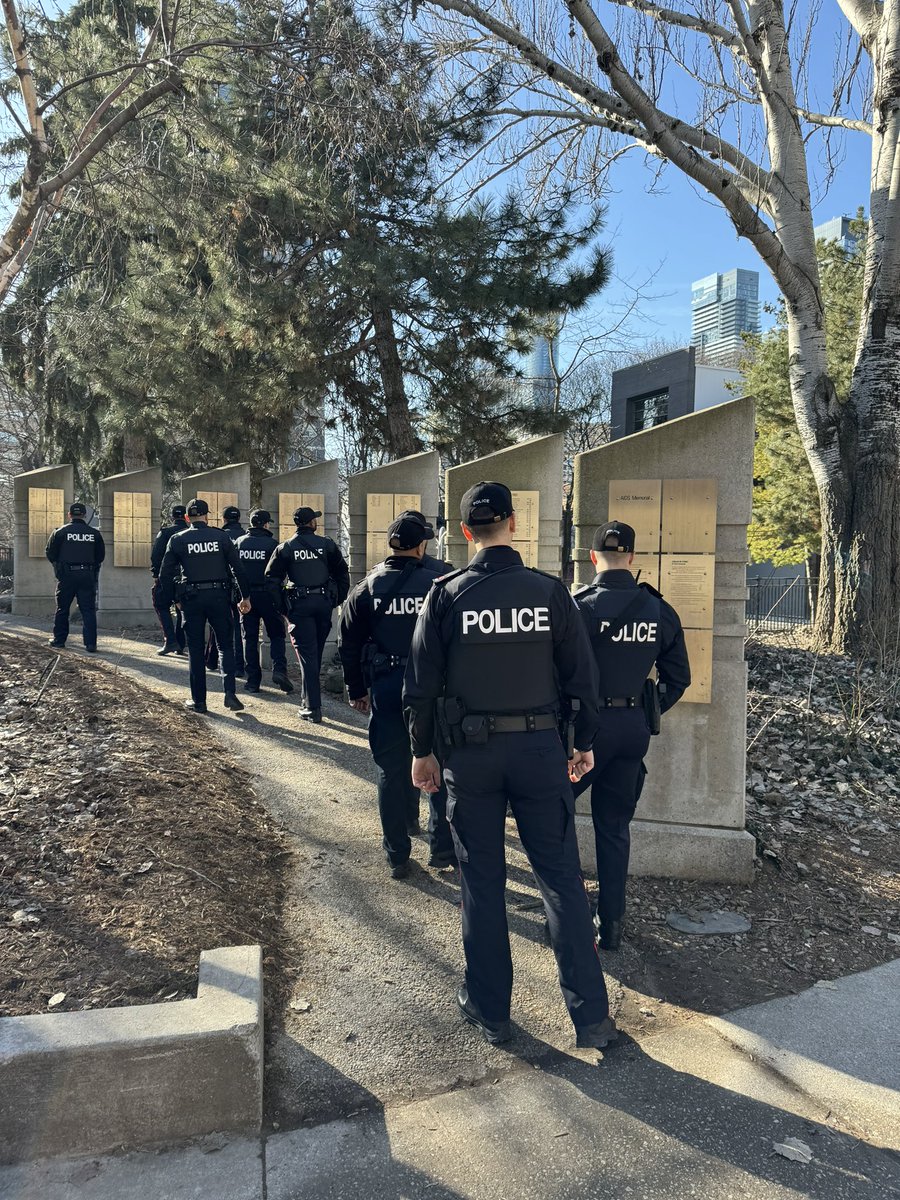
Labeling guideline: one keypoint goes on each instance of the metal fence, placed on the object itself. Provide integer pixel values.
(779, 603)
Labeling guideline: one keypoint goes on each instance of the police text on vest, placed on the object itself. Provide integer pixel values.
(637, 631)
(508, 620)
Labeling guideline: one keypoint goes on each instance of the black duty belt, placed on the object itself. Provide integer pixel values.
(618, 702)
(309, 591)
(205, 587)
(524, 723)
(79, 566)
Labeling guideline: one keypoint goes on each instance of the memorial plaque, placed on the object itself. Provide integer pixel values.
(46, 512)
(689, 516)
(132, 524)
(289, 502)
(699, 644)
(526, 538)
(637, 502)
(645, 569)
(381, 508)
(218, 501)
(688, 584)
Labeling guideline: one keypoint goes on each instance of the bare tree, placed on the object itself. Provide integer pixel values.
(20, 447)
(739, 72)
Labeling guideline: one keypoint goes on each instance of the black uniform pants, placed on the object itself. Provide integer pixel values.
(80, 586)
(264, 607)
(211, 605)
(615, 783)
(310, 625)
(527, 770)
(389, 741)
(173, 630)
(215, 642)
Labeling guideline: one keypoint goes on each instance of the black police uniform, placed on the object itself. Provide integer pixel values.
(376, 629)
(266, 604)
(198, 569)
(652, 634)
(504, 645)
(234, 529)
(76, 551)
(173, 630)
(320, 580)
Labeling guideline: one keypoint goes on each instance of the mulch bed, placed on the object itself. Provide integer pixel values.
(129, 841)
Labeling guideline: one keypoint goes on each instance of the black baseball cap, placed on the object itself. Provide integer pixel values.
(231, 513)
(178, 511)
(485, 504)
(198, 508)
(260, 517)
(77, 509)
(303, 516)
(614, 537)
(405, 533)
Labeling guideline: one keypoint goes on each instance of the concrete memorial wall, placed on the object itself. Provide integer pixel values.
(686, 488)
(533, 471)
(130, 512)
(375, 497)
(40, 502)
(220, 488)
(315, 486)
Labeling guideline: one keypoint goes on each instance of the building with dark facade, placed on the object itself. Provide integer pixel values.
(672, 385)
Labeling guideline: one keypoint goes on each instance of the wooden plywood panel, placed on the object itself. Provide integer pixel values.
(699, 644)
(123, 554)
(645, 569)
(132, 528)
(140, 531)
(688, 584)
(379, 511)
(142, 505)
(141, 554)
(689, 516)
(218, 501)
(638, 502)
(46, 512)
(122, 504)
(288, 503)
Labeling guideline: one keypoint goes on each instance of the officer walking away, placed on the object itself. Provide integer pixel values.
(231, 524)
(76, 551)
(499, 654)
(173, 631)
(376, 629)
(198, 569)
(319, 580)
(631, 629)
(266, 604)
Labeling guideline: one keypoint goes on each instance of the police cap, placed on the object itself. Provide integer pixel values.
(615, 537)
(231, 513)
(485, 504)
(198, 508)
(303, 516)
(178, 512)
(405, 533)
(259, 518)
(77, 509)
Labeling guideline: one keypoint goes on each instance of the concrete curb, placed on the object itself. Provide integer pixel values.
(90, 1082)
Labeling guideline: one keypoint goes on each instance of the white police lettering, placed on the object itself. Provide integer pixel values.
(81, 537)
(308, 555)
(253, 554)
(402, 606)
(506, 620)
(637, 631)
(201, 547)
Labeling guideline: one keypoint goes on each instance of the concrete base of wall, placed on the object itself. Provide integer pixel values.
(126, 618)
(35, 606)
(678, 851)
(89, 1082)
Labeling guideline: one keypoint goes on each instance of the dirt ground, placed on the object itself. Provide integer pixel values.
(129, 841)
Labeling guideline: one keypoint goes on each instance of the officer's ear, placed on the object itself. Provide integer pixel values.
(467, 532)
(630, 558)
(594, 557)
(512, 523)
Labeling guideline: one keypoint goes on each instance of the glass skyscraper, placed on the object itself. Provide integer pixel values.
(722, 308)
(837, 230)
(540, 372)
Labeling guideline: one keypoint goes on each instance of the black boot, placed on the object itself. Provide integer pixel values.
(192, 706)
(232, 702)
(168, 648)
(280, 679)
(610, 933)
(495, 1032)
(596, 1037)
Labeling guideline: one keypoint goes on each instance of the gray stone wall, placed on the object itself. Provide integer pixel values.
(319, 479)
(233, 480)
(125, 580)
(34, 585)
(417, 475)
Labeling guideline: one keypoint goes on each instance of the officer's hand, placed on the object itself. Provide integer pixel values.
(361, 705)
(426, 774)
(244, 606)
(580, 763)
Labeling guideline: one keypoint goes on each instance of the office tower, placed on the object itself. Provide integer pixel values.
(837, 230)
(722, 308)
(540, 376)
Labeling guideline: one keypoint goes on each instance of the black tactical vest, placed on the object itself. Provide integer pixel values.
(202, 551)
(234, 529)
(393, 628)
(79, 543)
(307, 556)
(500, 653)
(626, 659)
(255, 549)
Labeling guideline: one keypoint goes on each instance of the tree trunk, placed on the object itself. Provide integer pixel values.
(134, 452)
(402, 439)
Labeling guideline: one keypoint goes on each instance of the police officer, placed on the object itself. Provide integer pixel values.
(498, 650)
(319, 580)
(198, 568)
(377, 624)
(231, 524)
(76, 551)
(266, 604)
(631, 628)
(173, 631)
